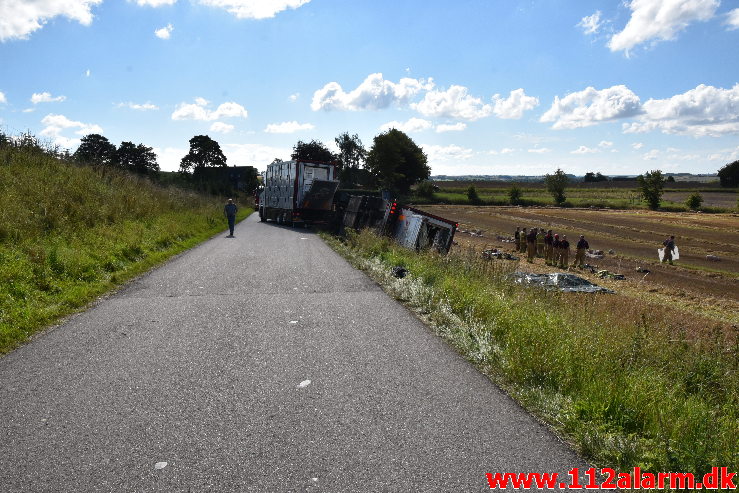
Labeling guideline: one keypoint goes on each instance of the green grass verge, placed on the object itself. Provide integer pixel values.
(627, 386)
(69, 234)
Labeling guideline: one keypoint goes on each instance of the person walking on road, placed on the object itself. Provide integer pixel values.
(582, 245)
(564, 253)
(669, 245)
(229, 210)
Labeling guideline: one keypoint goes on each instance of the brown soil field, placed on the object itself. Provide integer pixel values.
(694, 283)
(726, 200)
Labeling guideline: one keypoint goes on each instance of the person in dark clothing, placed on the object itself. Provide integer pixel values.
(582, 245)
(229, 210)
(555, 251)
(531, 245)
(517, 237)
(564, 252)
(669, 245)
(548, 240)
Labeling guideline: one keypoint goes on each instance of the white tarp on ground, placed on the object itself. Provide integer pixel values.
(675, 254)
(569, 283)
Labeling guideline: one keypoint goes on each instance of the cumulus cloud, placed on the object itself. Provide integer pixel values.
(288, 127)
(452, 152)
(155, 3)
(372, 94)
(19, 18)
(591, 106)
(703, 111)
(732, 19)
(504, 151)
(412, 125)
(165, 32)
(55, 125)
(138, 107)
(605, 144)
(293, 97)
(3, 99)
(539, 150)
(453, 103)
(513, 106)
(585, 150)
(199, 111)
(651, 155)
(660, 20)
(255, 9)
(254, 154)
(456, 127)
(45, 97)
(221, 128)
(725, 156)
(590, 24)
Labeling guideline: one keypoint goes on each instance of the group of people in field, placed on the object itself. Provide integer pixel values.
(555, 250)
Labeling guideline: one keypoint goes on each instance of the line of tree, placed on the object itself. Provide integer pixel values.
(97, 150)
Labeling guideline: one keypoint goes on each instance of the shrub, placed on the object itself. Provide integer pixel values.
(694, 201)
(472, 195)
(514, 195)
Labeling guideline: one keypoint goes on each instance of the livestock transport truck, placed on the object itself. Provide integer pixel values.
(298, 192)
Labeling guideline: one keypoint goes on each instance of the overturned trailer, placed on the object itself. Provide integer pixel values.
(410, 227)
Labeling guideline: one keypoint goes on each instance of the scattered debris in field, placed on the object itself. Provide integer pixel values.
(399, 272)
(594, 254)
(303, 384)
(160, 465)
(568, 283)
(713, 258)
(506, 239)
(643, 270)
(499, 254)
(611, 252)
(591, 268)
(603, 274)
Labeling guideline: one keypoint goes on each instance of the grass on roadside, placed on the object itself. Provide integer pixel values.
(69, 234)
(626, 385)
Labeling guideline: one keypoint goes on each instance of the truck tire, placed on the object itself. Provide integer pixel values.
(261, 216)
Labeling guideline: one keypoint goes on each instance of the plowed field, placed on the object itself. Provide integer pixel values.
(634, 236)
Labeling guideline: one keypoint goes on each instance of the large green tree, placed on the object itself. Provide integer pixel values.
(137, 158)
(315, 150)
(95, 149)
(204, 152)
(556, 185)
(729, 175)
(651, 185)
(351, 151)
(397, 162)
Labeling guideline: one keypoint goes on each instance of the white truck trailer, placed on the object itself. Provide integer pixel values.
(298, 192)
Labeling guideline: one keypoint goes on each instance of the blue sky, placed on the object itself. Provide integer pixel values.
(484, 86)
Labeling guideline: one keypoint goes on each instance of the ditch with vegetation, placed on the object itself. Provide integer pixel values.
(627, 385)
(70, 233)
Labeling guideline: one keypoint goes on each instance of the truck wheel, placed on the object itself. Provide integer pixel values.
(261, 216)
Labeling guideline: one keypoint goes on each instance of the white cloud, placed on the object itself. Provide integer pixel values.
(199, 111)
(539, 150)
(725, 155)
(372, 94)
(45, 97)
(169, 157)
(605, 144)
(584, 150)
(87, 73)
(293, 97)
(732, 19)
(19, 18)
(502, 152)
(514, 106)
(255, 9)
(165, 32)
(590, 24)
(138, 107)
(3, 99)
(155, 3)
(29, 110)
(437, 153)
(254, 154)
(703, 111)
(288, 127)
(55, 125)
(591, 106)
(637, 145)
(412, 125)
(651, 155)
(221, 128)
(456, 127)
(660, 20)
(454, 103)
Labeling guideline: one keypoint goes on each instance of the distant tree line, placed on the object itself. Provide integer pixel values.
(97, 150)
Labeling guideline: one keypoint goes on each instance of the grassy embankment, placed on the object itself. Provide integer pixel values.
(69, 234)
(628, 386)
(582, 195)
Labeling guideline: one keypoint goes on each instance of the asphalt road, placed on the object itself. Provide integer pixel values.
(199, 364)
